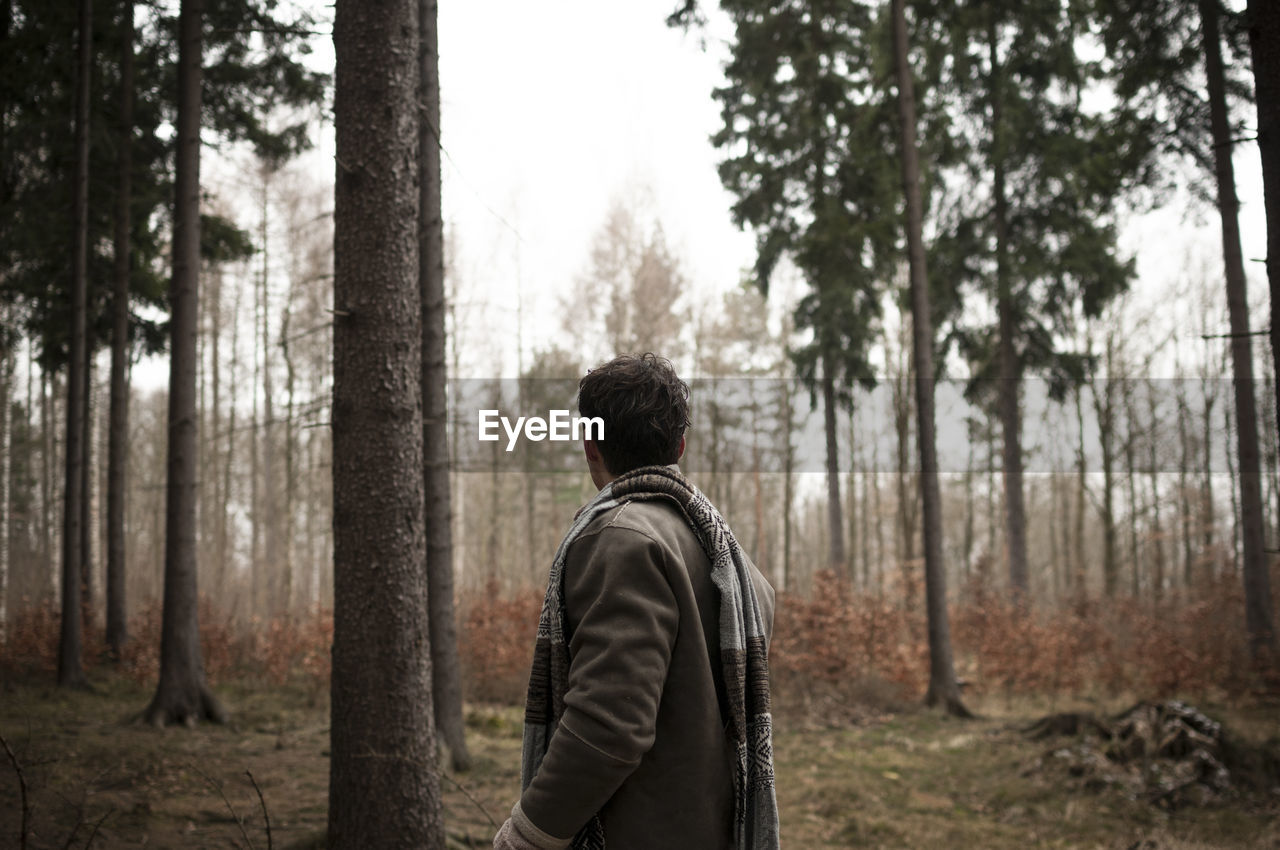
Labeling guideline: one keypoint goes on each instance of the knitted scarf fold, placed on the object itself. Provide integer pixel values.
(743, 655)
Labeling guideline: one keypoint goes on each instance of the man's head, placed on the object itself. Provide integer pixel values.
(645, 410)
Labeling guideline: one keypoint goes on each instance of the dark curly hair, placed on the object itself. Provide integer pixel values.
(644, 406)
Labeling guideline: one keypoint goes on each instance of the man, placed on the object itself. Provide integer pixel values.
(647, 725)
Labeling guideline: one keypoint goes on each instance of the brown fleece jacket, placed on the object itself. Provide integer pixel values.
(642, 737)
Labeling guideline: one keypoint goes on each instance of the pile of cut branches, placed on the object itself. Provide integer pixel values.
(1168, 753)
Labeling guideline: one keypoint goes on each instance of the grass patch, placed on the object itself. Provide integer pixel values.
(912, 779)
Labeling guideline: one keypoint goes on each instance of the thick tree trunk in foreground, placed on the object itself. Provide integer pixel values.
(446, 675)
(384, 787)
(182, 694)
(1264, 41)
(118, 438)
(1257, 581)
(70, 668)
(943, 689)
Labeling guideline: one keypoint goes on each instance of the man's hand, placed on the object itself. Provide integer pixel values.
(519, 833)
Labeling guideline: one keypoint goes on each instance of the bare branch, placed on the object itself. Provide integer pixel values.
(473, 800)
(265, 817)
(216, 787)
(22, 788)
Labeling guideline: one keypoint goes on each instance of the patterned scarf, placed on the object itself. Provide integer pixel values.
(742, 652)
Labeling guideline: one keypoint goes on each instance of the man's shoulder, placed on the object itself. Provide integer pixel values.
(660, 520)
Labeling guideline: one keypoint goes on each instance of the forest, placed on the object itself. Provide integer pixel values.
(976, 302)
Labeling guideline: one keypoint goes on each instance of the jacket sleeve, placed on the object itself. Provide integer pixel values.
(623, 618)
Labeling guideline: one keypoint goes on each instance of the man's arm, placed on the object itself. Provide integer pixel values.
(624, 617)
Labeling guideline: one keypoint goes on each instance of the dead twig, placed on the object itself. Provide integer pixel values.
(216, 787)
(473, 800)
(22, 788)
(265, 817)
(96, 826)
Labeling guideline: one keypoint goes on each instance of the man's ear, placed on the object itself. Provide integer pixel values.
(591, 450)
(680, 451)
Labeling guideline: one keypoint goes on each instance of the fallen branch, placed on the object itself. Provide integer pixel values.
(22, 788)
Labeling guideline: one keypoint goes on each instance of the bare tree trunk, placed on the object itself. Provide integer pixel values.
(970, 498)
(878, 507)
(1105, 407)
(1131, 477)
(1157, 528)
(446, 674)
(1078, 563)
(382, 678)
(1233, 478)
(182, 694)
(835, 516)
(1256, 576)
(943, 689)
(1184, 485)
(7, 355)
(224, 512)
(290, 460)
(906, 492)
(851, 504)
(788, 483)
(118, 449)
(87, 577)
(1264, 40)
(70, 668)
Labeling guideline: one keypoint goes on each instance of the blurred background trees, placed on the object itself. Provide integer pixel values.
(1092, 428)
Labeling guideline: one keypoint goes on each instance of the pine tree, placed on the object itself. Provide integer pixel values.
(1035, 234)
(807, 138)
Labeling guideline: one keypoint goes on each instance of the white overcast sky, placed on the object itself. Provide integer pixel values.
(553, 111)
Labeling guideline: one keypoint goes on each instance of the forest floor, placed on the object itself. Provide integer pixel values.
(910, 779)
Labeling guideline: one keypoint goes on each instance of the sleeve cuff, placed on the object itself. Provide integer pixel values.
(534, 835)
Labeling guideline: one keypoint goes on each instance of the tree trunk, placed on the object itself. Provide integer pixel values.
(182, 694)
(1104, 403)
(118, 449)
(446, 674)
(6, 448)
(1078, 564)
(906, 493)
(290, 460)
(1257, 580)
(1184, 485)
(70, 667)
(835, 516)
(788, 485)
(970, 513)
(1157, 527)
(1264, 41)
(1010, 367)
(1208, 508)
(383, 782)
(1131, 479)
(87, 584)
(224, 512)
(943, 689)
(1233, 479)
(268, 570)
